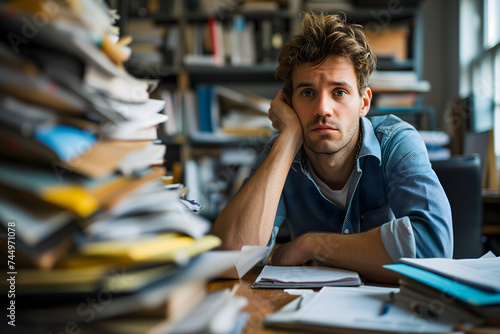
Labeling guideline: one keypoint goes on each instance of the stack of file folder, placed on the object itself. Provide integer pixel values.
(89, 226)
(435, 296)
(468, 289)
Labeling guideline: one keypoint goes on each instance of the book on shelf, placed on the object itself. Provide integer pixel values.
(246, 123)
(173, 111)
(264, 45)
(208, 108)
(395, 101)
(153, 45)
(397, 81)
(222, 112)
(335, 5)
(259, 6)
(203, 44)
(213, 189)
(216, 43)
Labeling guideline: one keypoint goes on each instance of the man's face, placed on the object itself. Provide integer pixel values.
(328, 104)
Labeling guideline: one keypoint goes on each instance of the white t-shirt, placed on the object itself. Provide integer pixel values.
(338, 197)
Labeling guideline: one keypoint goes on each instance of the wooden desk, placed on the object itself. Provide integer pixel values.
(261, 302)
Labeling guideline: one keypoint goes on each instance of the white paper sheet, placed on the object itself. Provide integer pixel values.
(305, 276)
(482, 273)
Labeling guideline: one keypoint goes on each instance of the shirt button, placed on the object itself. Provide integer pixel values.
(346, 230)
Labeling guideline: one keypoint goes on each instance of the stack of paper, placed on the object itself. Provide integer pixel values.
(218, 312)
(466, 288)
(354, 310)
(85, 218)
(66, 100)
(305, 277)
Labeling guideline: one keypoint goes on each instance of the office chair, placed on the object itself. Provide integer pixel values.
(460, 177)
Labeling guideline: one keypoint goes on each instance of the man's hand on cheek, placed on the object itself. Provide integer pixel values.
(282, 115)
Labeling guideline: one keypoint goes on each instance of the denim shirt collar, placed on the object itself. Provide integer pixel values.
(370, 146)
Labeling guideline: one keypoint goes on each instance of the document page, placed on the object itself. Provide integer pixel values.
(305, 276)
(482, 273)
(359, 308)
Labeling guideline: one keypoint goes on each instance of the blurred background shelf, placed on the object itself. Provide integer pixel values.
(235, 45)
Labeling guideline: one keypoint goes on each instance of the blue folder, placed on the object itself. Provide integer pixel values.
(453, 288)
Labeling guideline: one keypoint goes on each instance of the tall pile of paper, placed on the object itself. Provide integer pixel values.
(88, 226)
(468, 289)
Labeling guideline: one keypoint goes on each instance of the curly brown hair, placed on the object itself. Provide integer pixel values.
(323, 36)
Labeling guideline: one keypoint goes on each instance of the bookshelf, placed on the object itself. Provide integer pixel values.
(196, 61)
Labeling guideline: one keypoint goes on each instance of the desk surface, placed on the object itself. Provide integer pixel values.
(261, 302)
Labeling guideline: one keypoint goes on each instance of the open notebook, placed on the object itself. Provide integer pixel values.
(305, 277)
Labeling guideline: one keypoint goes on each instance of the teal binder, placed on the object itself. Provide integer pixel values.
(453, 288)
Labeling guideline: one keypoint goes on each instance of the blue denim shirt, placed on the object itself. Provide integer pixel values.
(393, 186)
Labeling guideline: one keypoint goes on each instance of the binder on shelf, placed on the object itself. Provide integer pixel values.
(224, 112)
(208, 112)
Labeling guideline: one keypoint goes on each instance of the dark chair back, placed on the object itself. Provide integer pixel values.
(460, 177)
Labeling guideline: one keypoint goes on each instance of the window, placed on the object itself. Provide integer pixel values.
(492, 24)
(496, 86)
(480, 63)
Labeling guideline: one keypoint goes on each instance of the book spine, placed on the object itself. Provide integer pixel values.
(204, 108)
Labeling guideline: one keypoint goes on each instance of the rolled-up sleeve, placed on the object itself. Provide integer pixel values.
(398, 239)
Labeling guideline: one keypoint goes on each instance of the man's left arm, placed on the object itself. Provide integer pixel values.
(424, 225)
(361, 252)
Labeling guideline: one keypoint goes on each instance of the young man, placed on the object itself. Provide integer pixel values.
(357, 193)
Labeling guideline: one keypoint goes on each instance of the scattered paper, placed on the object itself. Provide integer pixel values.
(249, 257)
(298, 292)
